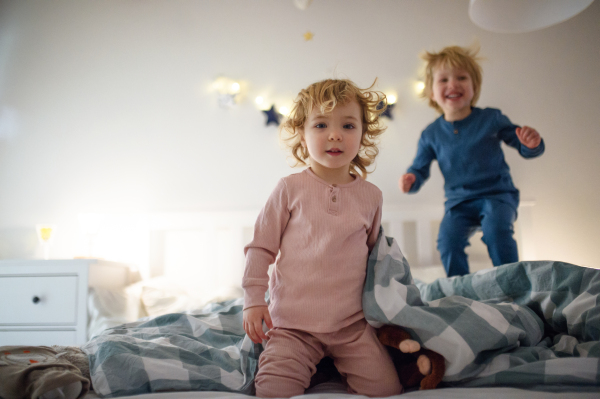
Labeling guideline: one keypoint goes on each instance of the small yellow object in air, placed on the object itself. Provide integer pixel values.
(308, 36)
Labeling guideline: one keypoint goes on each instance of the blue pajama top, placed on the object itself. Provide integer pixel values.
(470, 158)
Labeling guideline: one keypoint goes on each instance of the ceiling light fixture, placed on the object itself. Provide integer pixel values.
(518, 16)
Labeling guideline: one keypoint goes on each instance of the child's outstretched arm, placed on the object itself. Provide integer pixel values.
(418, 172)
(529, 137)
(406, 181)
(524, 139)
(253, 319)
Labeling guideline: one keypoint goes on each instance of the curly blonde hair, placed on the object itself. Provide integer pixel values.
(452, 57)
(324, 96)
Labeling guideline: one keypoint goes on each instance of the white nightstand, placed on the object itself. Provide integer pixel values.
(44, 302)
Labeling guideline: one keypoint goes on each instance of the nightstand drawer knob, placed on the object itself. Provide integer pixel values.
(36, 299)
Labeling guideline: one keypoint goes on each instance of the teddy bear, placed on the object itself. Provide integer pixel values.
(415, 365)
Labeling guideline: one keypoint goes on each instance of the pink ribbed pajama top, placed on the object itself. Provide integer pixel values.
(323, 234)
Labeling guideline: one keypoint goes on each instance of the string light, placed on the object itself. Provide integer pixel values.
(228, 91)
(419, 87)
(284, 111)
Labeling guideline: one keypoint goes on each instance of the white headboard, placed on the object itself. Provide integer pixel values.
(206, 248)
(416, 228)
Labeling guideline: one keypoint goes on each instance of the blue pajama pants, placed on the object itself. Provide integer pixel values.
(494, 217)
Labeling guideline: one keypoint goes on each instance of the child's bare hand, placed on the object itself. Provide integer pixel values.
(528, 136)
(406, 182)
(253, 318)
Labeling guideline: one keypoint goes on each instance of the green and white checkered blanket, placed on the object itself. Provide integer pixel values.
(522, 324)
(207, 351)
(528, 324)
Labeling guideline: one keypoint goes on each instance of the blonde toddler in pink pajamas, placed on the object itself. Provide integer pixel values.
(318, 227)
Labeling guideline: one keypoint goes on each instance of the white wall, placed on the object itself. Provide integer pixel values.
(105, 106)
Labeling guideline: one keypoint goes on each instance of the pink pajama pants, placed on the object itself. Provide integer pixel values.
(291, 356)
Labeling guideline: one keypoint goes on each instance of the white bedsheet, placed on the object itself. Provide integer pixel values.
(336, 391)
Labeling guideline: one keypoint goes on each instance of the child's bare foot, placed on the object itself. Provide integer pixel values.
(424, 365)
(409, 346)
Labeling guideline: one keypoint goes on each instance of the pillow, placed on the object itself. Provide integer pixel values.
(162, 295)
(110, 307)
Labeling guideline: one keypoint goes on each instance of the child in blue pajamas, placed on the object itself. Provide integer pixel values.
(465, 141)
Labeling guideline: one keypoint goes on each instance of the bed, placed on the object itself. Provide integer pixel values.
(179, 332)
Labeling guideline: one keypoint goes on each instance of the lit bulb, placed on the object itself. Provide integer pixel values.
(419, 87)
(235, 87)
(218, 84)
(391, 99)
(284, 111)
(259, 100)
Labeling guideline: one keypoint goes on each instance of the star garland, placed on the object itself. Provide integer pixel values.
(387, 112)
(272, 116)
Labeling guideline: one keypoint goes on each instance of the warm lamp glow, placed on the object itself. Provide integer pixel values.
(121, 237)
(90, 223)
(391, 98)
(419, 87)
(228, 91)
(220, 84)
(262, 103)
(284, 111)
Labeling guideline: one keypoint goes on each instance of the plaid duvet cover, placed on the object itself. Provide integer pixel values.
(204, 351)
(527, 324)
(524, 324)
